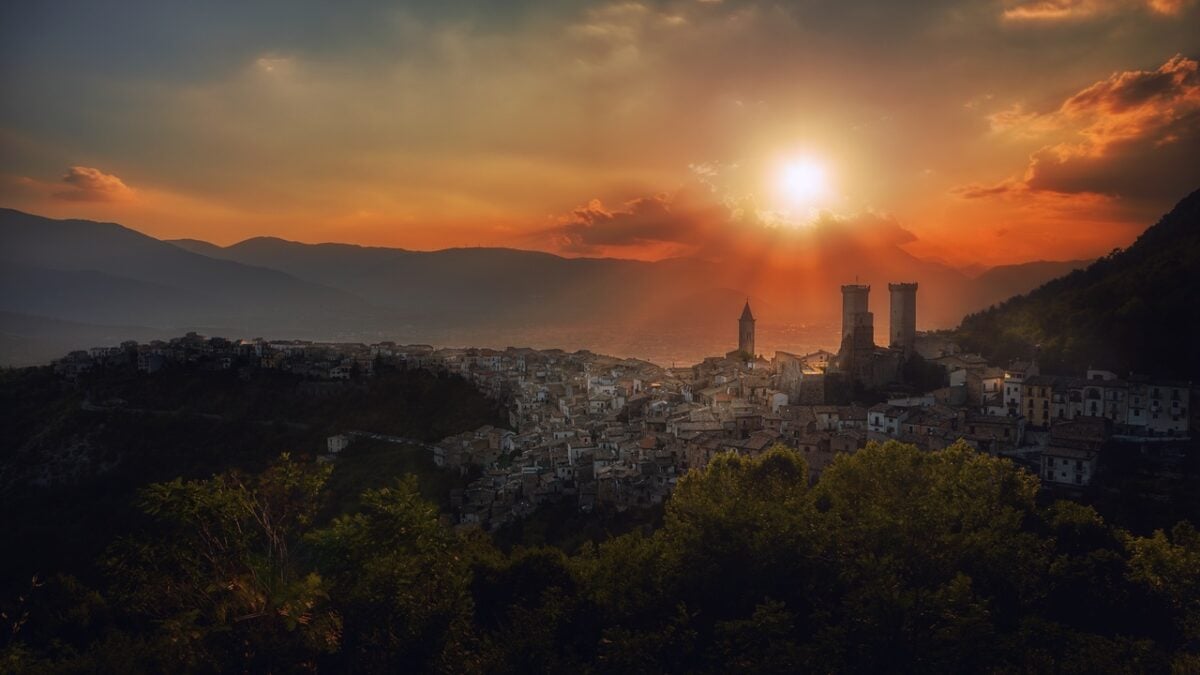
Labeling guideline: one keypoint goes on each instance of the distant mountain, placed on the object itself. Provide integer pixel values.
(1133, 310)
(464, 286)
(469, 287)
(89, 273)
(973, 270)
(997, 284)
(84, 271)
(198, 246)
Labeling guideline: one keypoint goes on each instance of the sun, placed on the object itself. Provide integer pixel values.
(802, 181)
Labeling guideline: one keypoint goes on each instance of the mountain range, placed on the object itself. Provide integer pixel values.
(64, 282)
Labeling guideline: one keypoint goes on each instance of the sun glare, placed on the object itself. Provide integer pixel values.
(802, 181)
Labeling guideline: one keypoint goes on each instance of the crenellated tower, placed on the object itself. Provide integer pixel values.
(858, 330)
(903, 326)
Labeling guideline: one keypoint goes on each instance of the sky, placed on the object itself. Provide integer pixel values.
(974, 133)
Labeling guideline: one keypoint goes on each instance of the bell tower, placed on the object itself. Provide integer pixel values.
(746, 331)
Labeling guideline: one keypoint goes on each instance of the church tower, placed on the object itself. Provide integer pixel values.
(746, 331)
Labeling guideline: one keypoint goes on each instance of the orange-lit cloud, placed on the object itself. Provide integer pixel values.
(87, 184)
(658, 224)
(1169, 7)
(1079, 10)
(695, 221)
(1135, 134)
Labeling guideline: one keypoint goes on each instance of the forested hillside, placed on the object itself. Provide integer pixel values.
(1136, 309)
(897, 560)
(74, 455)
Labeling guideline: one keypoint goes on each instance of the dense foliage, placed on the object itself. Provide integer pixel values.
(897, 560)
(1133, 310)
(74, 455)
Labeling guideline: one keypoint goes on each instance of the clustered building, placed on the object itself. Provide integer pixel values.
(597, 431)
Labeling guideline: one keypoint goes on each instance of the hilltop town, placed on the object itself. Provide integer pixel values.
(596, 431)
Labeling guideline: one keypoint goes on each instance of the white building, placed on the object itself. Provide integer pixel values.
(1068, 466)
(336, 444)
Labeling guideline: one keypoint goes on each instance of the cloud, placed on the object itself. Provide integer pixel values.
(1013, 117)
(1169, 7)
(87, 184)
(1132, 91)
(1135, 134)
(861, 229)
(1056, 10)
(1051, 11)
(660, 219)
(693, 221)
(978, 190)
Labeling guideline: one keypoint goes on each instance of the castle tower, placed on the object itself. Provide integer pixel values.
(903, 326)
(858, 331)
(746, 331)
(856, 316)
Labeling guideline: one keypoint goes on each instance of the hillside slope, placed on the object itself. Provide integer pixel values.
(1134, 310)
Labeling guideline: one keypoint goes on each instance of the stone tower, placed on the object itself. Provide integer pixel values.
(856, 316)
(858, 331)
(903, 326)
(746, 331)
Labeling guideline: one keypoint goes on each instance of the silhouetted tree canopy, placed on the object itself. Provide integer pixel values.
(896, 560)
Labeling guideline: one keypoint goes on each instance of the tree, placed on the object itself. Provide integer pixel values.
(531, 612)
(216, 572)
(401, 578)
(932, 552)
(1168, 568)
(737, 546)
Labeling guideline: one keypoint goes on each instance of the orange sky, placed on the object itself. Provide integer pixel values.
(973, 133)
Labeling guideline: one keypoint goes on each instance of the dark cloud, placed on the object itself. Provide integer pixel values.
(1175, 81)
(1141, 134)
(693, 221)
(1162, 166)
(681, 218)
(1133, 135)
